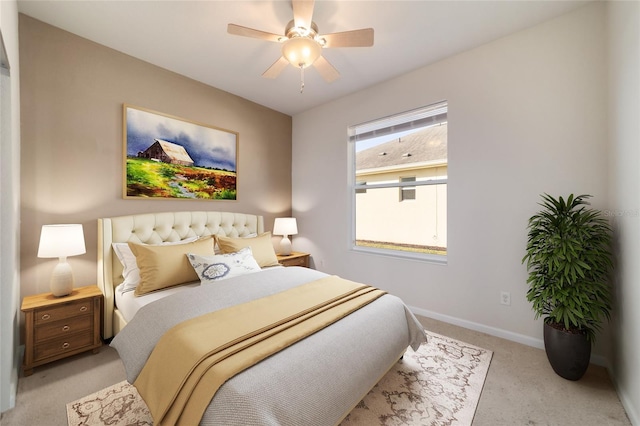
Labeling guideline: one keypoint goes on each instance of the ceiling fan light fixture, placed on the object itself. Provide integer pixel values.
(301, 52)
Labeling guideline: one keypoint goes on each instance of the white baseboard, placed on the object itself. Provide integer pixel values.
(498, 332)
(632, 414)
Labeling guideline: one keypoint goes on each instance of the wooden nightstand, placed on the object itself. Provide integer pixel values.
(294, 259)
(58, 327)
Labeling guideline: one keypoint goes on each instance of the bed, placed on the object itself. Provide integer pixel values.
(316, 381)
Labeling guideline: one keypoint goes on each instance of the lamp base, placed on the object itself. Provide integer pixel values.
(61, 283)
(285, 246)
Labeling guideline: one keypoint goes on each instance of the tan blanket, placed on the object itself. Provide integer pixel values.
(193, 359)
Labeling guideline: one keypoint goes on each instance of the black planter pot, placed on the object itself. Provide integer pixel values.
(568, 353)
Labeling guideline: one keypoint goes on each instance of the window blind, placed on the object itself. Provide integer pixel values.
(411, 120)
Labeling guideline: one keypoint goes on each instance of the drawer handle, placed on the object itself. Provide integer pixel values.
(46, 316)
(83, 308)
(66, 328)
(65, 345)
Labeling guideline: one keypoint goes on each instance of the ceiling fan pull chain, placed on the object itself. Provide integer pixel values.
(301, 79)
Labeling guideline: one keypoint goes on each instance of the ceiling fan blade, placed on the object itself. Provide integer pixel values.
(274, 70)
(326, 70)
(355, 38)
(250, 32)
(302, 13)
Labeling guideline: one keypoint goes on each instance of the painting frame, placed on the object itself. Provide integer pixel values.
(169, 157)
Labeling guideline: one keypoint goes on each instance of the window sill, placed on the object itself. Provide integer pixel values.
(420, 257)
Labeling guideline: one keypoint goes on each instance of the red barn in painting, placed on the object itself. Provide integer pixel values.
(167, 152)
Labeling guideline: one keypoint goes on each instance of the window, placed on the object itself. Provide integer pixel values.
(407, 192)
(399, 184)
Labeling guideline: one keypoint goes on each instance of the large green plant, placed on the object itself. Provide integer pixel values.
(569, 260)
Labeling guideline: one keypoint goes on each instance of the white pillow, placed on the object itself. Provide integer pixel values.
(130, 270)
(222, 266)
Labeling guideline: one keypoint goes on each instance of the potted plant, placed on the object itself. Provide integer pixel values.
(568, 260)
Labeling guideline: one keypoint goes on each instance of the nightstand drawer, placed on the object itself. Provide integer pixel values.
(68, 310)
(61, 345)
(64, 328)
(298, 261)
(294, 259)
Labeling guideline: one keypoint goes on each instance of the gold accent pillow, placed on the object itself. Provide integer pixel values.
(167, 266)
(261, 247)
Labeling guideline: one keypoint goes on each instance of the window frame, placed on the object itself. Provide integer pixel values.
(361, 187)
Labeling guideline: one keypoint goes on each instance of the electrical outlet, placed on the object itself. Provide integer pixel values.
(505, 298)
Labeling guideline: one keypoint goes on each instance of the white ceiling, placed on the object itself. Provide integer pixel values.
(190, 38)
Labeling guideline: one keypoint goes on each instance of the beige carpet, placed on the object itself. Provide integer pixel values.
(440, 384)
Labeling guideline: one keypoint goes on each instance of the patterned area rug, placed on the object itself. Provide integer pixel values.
(439, 385)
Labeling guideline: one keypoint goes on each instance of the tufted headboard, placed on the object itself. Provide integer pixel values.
(155, 228)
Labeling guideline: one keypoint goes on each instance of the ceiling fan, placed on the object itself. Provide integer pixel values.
(302, 44)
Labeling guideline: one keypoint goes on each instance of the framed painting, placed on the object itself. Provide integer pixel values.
(170, 157)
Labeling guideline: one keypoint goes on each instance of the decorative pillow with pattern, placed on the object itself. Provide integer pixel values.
(222, 266)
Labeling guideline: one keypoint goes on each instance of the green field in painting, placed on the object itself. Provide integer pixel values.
(149, 178)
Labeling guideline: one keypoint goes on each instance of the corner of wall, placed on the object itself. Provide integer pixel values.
(623, 47)
(9, 207)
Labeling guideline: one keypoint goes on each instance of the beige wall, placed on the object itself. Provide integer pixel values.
(72, 93)
(424, 220)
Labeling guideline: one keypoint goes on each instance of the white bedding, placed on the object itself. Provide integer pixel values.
(128, 303)
(314, 382)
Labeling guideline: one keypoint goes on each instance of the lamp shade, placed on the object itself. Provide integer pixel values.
(301, 51)
(61, 240)
(285, 226)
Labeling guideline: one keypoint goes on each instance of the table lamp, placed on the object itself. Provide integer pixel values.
(285, 226)
(61, 241)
